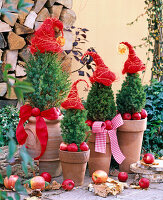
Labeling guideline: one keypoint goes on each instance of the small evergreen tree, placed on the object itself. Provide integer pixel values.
(51, 84)
(131, 98)
(100, 101)
(73, 124)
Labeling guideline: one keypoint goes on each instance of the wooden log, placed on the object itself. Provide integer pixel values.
(4, 27)
(65, 3)
(12, 95)
(55, 11)
(37, 25)
(68, 40)
(15, 41)
(3, 42)
(12, 21)
(20, 71)
(10, 57)
(30, 20)
(13, 3)
(39, 5)
(156, 168)
(3, 89)
(50, 3)
(25, 53)
(42, 15)
(21, 30)
(12, 81)
(22, 14)
(66, 64)
(1, 52)
(68, 17)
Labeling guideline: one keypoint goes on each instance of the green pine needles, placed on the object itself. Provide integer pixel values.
(74, 127)
(131, 98)
(51, 84)
(100, 103)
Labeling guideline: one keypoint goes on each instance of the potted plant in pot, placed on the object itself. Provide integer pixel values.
(74, 152)
(42, 134)
(102, 118)
(130, 102)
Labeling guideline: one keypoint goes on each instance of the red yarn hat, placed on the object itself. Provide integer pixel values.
(133, 64)
(44, 38)
(102, 74)
(73, 101)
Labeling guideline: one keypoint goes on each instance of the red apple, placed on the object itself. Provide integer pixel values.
(37, 182)
(126, 116)
(63, 146)
(136, 116)
(143, 113)
(89, 122)
(122, 176)
(99, 176)
(10, 182)
(149, 158)
(108, 125)
(144, 183)
(72, 147)
(35, 112)
(84, 146)
(46, 176)
(68, 184)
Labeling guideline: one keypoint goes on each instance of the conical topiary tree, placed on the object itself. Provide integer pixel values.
(73, 124)
(131, 98)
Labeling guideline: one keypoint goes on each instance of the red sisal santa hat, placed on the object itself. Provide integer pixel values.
(73, 100)
(44, 38)
(102, 74)
(133, 64)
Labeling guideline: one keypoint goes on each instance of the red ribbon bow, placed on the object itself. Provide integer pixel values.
(99, 128)
(26, 111)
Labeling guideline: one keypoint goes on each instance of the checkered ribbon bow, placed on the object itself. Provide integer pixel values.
(99, 128)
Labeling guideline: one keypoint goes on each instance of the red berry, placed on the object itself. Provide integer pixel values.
(89, 122)
(108, 125)
(63, 146)
(143, 113)
(136, 116)
(35, 112)
(126, 116)
(84, 146)
(72, 147)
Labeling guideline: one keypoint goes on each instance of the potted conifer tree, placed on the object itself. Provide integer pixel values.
(42, 134)
(74, 152)
(102, 117)
(130, 102)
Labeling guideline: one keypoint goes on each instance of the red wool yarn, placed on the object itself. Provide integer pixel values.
(44, 38)
(133, 64)
(73, 100)
(102, 73)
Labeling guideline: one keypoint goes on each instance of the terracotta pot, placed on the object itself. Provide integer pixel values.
(74, 165)
(99, 161)
(130, 137)
(49, 162)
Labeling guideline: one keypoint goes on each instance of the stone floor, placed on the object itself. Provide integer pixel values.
(155, 192)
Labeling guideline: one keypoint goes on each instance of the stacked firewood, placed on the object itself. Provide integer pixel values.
(15, 34)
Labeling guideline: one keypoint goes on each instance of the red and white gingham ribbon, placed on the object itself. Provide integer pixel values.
(99, 128)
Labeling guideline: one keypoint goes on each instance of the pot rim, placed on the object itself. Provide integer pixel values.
(33, 119)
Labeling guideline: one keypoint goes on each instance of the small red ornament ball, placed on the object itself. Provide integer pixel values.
(143, 113)
(149, 158)
(68, 184)
(122, 176)
(46, 176)
(144, 183)
(89, 122)
(84, 146)
(136, 116)
(126, 116)
(35, 112)
(72, 147)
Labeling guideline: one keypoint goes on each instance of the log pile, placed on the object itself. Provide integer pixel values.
(16, 33)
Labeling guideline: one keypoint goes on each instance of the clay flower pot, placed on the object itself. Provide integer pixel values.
(49, 162)
(74, 165)
(99, 161)
(130, 137)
